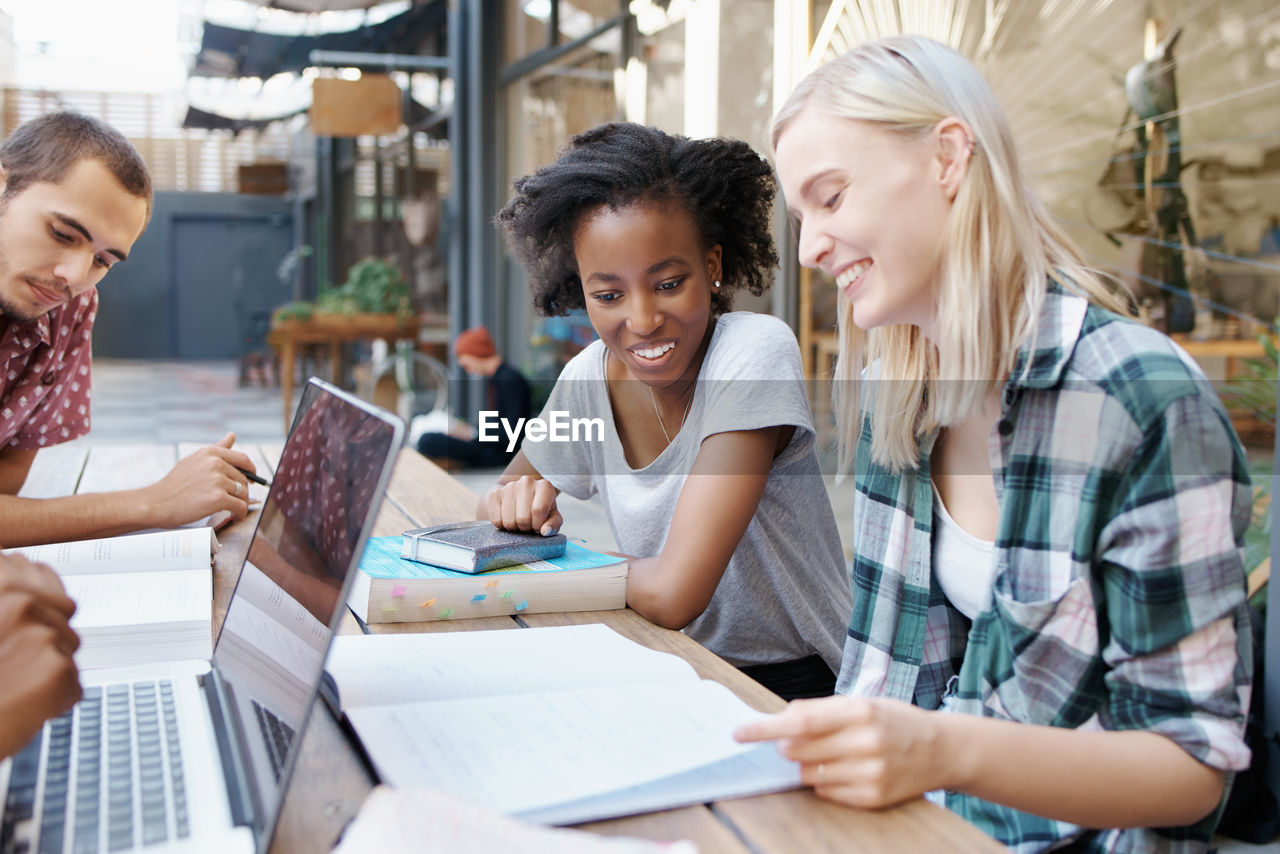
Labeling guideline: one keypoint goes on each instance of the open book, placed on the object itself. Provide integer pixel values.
(139, 598)
(553, 725)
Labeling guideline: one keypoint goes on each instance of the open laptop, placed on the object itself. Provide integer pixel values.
(197, 755)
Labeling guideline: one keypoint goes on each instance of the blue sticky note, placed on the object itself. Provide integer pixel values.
(479, 597)
(523, 605)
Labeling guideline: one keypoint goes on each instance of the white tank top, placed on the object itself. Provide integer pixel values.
(962, 563)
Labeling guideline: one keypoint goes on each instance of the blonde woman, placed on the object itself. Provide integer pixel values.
(1049, 627)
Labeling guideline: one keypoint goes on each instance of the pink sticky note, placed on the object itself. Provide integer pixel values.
(397, 590)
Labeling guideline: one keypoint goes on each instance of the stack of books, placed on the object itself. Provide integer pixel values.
(478, 571)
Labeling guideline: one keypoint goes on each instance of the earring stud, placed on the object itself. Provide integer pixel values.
(717, 283)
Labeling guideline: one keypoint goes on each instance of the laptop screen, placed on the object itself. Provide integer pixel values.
(288, 599)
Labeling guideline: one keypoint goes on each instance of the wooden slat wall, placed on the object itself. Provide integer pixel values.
(179, 158)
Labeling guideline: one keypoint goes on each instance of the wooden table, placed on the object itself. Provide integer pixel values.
(1231, 349)
(331, 781)
(335, 330)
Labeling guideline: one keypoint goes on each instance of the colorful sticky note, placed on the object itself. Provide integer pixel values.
(397, 591)
(446, 613)
(523, 605)
(479, 597)
(428, 603)
(506, 595)
(492, 582)
(389, 609)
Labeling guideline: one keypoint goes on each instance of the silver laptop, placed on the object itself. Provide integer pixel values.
(196, 755)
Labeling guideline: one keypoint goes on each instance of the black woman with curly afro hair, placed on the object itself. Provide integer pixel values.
(653, 234)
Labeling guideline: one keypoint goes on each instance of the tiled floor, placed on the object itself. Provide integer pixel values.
(180, 402)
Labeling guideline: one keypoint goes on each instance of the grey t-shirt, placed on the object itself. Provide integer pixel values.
(786, 592)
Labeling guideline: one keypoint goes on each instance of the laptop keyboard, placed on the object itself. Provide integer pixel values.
(112, 778)
(276, 735)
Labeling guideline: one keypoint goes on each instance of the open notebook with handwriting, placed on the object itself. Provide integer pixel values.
(554, 725)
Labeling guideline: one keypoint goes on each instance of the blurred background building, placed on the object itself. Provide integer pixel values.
(290, 139)
(1173, 181)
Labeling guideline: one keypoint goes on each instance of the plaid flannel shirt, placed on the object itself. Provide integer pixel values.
(1119, 591)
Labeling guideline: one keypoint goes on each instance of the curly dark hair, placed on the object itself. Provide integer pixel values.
(727, 188)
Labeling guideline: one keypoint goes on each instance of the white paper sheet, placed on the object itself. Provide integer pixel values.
(525, 752)
(448, 665)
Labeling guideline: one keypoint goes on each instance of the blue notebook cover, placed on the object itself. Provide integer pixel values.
(381, 559)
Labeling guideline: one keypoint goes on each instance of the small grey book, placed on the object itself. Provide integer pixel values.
(478, 546)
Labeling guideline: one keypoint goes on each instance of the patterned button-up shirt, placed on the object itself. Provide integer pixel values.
(1119, 592)
(44, 375)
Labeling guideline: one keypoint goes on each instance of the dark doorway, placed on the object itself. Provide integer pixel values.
(225, 282)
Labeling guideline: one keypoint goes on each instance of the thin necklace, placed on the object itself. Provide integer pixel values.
(663, 427)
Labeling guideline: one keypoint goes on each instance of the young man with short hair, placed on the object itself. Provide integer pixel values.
(74, 197)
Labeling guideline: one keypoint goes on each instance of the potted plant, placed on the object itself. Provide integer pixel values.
(373, 286)
(1251, 401)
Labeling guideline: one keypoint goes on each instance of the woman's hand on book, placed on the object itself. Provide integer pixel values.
(864, 752)
(527, 503)
(872, 752)
(38, 676)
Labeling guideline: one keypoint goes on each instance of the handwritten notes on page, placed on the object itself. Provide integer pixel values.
(562, 724)
(529, 752)
(388, 669)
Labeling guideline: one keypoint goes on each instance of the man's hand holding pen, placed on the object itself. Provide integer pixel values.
(253, 478)
(213, 479)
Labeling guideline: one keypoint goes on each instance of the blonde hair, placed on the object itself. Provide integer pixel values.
(999, 249)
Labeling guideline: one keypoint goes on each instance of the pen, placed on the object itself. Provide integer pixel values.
(253, 477)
